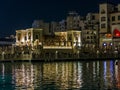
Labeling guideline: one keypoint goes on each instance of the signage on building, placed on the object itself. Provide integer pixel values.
(116, 31)
(107, 39)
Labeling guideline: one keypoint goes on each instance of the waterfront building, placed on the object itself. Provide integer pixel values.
(116, 36)
(95, 30)
(106, 42)
(89, 38)
(31, 36)
(104, 18)
(59, 42)
(69, 41)
(90, 31)
(109, 18)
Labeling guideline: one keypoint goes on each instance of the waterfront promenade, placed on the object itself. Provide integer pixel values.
(37, 54)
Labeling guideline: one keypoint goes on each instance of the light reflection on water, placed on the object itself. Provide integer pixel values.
(92, 75)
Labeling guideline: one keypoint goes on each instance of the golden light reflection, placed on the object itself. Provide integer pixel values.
(63, 75)
(24, 76)
(67, 74)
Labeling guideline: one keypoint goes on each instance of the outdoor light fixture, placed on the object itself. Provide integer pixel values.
(111, 44)
(104, 44)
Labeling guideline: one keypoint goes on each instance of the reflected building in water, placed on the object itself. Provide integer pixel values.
(62, 75)
(118, 73)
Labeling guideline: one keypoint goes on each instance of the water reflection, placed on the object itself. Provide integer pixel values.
(60, 75)
(118, 73)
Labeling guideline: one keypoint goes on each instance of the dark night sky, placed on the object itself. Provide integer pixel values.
(19, 14)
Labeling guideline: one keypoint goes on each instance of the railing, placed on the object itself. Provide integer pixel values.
(66, 53)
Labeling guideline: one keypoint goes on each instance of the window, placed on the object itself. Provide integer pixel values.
(113, 23)
(87, 32)
(118, 17)
(103, 25)
(113, 18)
(93, 17)
(25, 38)
(29, 35)
(36, 37)
(88, 37)
(103, 18)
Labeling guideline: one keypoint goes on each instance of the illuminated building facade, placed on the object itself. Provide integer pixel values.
(60, 40)
(96, 29)
(31, 36)
(63, 40)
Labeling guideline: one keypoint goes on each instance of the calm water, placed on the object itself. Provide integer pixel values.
(89, 75)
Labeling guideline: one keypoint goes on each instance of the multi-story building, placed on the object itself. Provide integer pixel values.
(90, 31)
(115, 26)
(73, 20)
(96, 29)
(109, 21)
(43, 25)
(53, 26)
(62, 25)
(105, 10)
(58, 26)
(89, 38)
